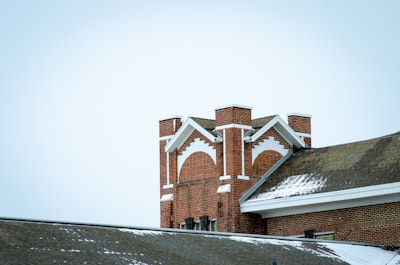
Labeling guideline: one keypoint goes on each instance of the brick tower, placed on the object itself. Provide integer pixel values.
(207, 165)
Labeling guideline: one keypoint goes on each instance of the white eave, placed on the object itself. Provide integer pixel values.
(371, 195)
(184, 132)
(283, 129)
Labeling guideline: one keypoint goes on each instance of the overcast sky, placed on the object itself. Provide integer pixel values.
(84, 83)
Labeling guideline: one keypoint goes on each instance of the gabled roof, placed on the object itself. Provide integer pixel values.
(257, 124)
(204, 126)
(350, 173)
(34, 242)
(264, 124)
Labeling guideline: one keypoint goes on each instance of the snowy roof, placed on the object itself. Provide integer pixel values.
(348, 166)
(33, 242)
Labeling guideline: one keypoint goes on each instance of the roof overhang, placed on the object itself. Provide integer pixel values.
(185, 131)
(317, 202)
(283, 129)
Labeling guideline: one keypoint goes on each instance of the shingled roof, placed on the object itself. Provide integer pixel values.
(257, 124)
(260, 122)
(353, 166)
(34, 242)
(340, 167)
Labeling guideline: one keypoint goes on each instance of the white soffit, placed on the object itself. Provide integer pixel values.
(184, 132)
(356, 197)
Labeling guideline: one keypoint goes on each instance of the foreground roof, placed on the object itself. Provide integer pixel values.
(33, 242)
(364, 169)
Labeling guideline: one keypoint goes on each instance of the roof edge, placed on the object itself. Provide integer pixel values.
(184, 132)
(248, 193)
(182, 231)
(281, 126)
(348, 198)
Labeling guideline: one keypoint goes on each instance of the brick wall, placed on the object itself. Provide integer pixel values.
(302, 124)
(268, 158)
(375, 224)
(195, 187)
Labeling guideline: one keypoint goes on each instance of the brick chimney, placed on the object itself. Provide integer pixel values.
(230, 122)
(169, 127)
(301, 124)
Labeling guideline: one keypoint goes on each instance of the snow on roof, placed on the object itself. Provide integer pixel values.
(141, 232)
(43, 243)
(352, 254)
(294, 185)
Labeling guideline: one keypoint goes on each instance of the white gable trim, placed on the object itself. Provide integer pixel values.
(282, 128)
(184, 132)
(196, 146)
(349, 198)
(268, 144)
(166, 138)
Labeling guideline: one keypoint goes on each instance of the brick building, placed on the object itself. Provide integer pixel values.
(238, 174)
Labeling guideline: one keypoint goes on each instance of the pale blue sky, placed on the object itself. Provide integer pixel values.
(84, 83)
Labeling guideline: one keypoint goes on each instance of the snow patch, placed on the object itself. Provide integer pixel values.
(140, 232)
(351, 254)
(294, 185)
(362, 255)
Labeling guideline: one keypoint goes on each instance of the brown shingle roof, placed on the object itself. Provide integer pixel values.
(207, 124)
(260, 122)
(347, 166)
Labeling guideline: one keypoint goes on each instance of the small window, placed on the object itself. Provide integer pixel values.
(213, 225)
(197, 226)
(320, 235)
(324, 236)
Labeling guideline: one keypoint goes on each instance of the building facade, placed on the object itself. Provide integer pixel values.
(239, 174)
(207, 165)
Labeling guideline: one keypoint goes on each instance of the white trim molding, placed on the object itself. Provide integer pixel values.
(225, 177)
(268, 144)
(356, 197)
(234, 106)
(233, 125)
(196, 146)
(166, 138)
(168, 186)
(299, 115)
(224, 188)
(282, 128)
(302, 135)
(242, 177)
(185, 131)
(167, 197)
